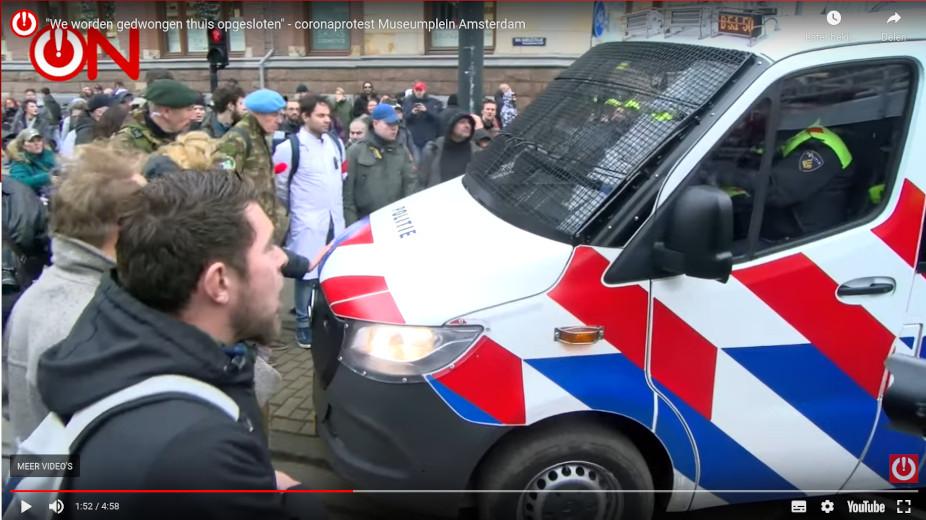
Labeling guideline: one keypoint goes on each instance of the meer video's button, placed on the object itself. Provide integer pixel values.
(26, 466)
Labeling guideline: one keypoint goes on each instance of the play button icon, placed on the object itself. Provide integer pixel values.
(24, 506)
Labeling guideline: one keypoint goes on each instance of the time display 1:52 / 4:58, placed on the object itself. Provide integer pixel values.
(96, 506)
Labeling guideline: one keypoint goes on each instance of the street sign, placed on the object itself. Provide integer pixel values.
(599, 19)
(529, 41)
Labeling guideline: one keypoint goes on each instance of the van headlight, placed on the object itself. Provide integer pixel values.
(400, 353)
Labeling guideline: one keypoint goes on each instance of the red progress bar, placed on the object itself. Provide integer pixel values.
(182, 491)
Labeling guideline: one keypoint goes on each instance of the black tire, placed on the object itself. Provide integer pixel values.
(513, 464)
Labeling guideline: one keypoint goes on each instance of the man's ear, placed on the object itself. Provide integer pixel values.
(216, 283)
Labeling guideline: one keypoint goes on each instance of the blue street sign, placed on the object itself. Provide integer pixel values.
(599, 20)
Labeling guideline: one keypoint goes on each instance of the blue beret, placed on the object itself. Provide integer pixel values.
(264, 101)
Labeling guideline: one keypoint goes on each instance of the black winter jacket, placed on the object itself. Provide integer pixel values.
(166, 443)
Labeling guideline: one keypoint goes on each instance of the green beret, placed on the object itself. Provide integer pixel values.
(171, 93)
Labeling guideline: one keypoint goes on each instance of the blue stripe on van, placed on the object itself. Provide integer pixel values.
(811, 383)
(607, 382)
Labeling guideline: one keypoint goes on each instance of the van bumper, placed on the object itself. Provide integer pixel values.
(400, 437)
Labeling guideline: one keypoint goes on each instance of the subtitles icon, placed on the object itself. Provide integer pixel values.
(798, 506)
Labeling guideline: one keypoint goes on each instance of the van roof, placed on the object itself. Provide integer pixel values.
(795, 34)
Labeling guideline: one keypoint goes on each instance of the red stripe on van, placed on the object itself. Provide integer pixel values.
(683, 361)
(902, 231)
(805, 296)
(380, 308)
(621, 311)
(489, 377)
(345, 287)
(363, 236)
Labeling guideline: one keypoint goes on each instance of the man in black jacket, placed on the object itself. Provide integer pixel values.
(25, 239)
(197, 272)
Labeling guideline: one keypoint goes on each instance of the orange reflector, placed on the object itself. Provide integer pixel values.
(578, 335)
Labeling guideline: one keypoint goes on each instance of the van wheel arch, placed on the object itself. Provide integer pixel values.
(654, 452)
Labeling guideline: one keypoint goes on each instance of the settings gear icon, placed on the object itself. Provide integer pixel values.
(827, 506)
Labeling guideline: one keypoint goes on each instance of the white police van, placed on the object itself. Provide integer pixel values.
(599, 303)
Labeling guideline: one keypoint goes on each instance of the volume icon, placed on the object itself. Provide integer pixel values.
(57, 506)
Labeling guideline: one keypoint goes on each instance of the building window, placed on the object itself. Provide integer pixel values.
(445, 40)
(84, 12)
(328, 41)
(191, 37)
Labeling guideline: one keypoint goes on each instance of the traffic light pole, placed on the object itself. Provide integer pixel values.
(471, 51)
(213, 77)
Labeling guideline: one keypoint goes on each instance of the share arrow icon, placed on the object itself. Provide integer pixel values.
(894, 18)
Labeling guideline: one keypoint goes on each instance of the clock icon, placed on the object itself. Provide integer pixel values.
(833, 17)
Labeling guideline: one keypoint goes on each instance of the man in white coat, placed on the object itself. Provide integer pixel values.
(310, 186)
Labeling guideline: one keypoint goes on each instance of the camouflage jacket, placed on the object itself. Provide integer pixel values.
(137, 135)
(254, 161)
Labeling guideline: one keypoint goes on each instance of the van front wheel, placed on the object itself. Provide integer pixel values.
(547, 464)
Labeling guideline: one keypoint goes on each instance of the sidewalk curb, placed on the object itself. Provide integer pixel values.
(299, 448)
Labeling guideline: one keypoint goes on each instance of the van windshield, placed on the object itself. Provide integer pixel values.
(592, 130)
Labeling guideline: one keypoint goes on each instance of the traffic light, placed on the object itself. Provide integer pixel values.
(218, 48)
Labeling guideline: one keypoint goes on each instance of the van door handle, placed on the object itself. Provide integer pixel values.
(874, 288)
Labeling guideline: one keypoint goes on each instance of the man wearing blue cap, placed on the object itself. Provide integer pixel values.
(379, 169)
(245, 149)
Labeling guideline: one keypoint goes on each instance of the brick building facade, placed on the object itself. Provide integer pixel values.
(393, 59)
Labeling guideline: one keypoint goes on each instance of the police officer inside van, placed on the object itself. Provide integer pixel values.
(811, 179)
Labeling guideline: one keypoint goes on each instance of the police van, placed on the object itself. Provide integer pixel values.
(677, 275)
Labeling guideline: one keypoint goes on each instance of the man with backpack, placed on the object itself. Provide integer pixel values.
(152, 371)
(246, 150)
(310, 186)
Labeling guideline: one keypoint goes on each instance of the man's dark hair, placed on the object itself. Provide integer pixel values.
(488, 102)
(27, 102)
(223, 96)
(307, 104)
(45, 91)
(156, 74)
(28, 90)
(178, 226)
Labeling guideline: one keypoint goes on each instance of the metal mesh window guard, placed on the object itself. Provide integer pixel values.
(595, 126)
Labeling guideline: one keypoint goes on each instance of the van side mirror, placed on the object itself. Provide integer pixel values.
(698, 238)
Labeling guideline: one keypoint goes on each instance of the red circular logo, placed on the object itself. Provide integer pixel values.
(58, 53)
(24, 23)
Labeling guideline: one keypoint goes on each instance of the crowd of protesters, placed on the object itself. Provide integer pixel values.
(139, 230)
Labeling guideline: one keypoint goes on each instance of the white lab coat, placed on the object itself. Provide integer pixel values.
(67, 146)
(316, 193)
